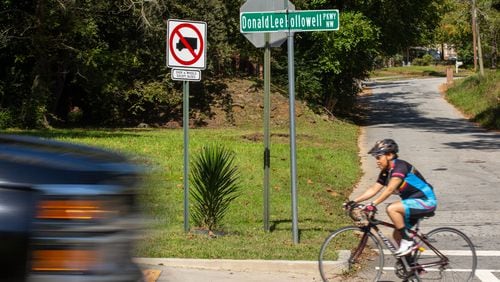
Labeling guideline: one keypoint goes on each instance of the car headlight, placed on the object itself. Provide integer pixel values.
(64, 209)
(64, 260)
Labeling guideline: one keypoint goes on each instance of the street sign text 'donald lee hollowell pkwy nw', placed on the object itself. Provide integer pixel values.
(275, 21)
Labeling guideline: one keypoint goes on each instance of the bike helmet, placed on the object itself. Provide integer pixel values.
(383, 147)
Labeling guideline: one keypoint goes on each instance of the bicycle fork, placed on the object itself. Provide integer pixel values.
(361, 246)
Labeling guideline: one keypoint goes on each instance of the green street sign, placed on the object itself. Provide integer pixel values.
(279, 21)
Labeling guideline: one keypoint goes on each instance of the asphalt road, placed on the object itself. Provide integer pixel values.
(461, 160)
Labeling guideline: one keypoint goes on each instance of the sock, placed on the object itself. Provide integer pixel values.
(404, 234)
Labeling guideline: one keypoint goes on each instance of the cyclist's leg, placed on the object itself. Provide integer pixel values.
(396, 212)
(404, 215)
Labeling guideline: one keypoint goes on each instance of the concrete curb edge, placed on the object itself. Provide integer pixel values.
(299, 267)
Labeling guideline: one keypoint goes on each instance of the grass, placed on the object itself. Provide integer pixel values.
(416, 71)
(478, 98)
(327, 167)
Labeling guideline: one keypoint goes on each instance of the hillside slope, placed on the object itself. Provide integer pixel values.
(246, 106)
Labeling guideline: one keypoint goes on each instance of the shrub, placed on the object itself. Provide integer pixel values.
(215, 185)
(5, 119)
(150, 102)
(424, 61)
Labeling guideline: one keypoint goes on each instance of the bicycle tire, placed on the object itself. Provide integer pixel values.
(337, 261)
(459, 250)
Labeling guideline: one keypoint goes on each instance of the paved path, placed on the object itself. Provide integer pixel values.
(461, 160)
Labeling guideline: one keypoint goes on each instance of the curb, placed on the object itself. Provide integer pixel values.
(288, 266)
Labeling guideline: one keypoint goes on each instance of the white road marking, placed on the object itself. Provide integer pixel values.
(486, 275)
(458, 253)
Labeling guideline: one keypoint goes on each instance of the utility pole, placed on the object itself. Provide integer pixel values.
(478, 51)
(474, 36)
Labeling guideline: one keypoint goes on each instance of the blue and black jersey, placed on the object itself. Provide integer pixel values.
(417, 195)
(414, 184)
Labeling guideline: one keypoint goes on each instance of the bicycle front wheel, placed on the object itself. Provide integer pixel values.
(351, 254)
(459, 250)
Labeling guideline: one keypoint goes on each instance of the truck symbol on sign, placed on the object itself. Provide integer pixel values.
(192, 41)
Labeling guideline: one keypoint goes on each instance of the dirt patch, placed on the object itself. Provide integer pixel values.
(246, 106)
(258, 137)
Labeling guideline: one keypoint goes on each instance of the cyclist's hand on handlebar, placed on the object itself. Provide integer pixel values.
(349, 205)
(370, 208)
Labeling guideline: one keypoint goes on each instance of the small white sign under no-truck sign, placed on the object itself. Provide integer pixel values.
(185, 74)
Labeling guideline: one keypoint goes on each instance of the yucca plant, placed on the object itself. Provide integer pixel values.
(214, 179)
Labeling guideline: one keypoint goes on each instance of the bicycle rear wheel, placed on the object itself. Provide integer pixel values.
(459, 250)
(350, 254)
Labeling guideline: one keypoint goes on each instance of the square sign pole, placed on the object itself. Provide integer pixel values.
(255, 19)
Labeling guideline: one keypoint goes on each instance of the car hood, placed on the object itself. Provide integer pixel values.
(38, 162)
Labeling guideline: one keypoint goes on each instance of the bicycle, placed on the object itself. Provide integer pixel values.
(343, 259)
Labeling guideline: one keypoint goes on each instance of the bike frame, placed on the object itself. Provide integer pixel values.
(373, 225)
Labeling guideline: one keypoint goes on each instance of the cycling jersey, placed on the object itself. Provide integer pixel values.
(417, 195)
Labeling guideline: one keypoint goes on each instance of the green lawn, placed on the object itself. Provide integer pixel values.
(327, 164)
(479, 98)
(417, 71)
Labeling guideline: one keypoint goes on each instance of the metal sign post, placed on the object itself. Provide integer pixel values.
(185, 126)
(293, 160)
(267, 117)
(186, 49)
(265, 40)
(259, 18)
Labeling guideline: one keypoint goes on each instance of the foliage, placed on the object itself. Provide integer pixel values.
(5, 119)
(402, 24)
(455, 28)
(424, 61)
(103, 62)
(330, 64)
(214, 179)
(58, 55)
(152, 102)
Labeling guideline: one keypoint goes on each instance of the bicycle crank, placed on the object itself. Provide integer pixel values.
(400, 270)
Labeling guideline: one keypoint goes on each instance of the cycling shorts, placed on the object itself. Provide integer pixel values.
(416, 209)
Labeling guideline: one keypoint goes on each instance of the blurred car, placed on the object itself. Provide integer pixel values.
(67, 212)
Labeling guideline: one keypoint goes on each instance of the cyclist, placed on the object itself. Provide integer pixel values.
(399, 177)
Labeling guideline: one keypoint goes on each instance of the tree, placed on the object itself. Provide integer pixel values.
(103, 62)
(489, 22)
(402, 24)
(330, 65)
(456, 28)
(60, 55)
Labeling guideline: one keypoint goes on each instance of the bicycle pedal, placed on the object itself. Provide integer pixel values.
(420, 270)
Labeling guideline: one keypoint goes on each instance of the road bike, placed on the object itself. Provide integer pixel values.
(355, 253)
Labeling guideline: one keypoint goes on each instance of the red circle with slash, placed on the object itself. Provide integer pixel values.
(196, 56)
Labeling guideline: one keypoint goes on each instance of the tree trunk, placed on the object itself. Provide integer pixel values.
(57, 108)
(494, 49)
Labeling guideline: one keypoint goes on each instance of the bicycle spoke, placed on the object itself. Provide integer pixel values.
(344, 258)
(459, 250)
